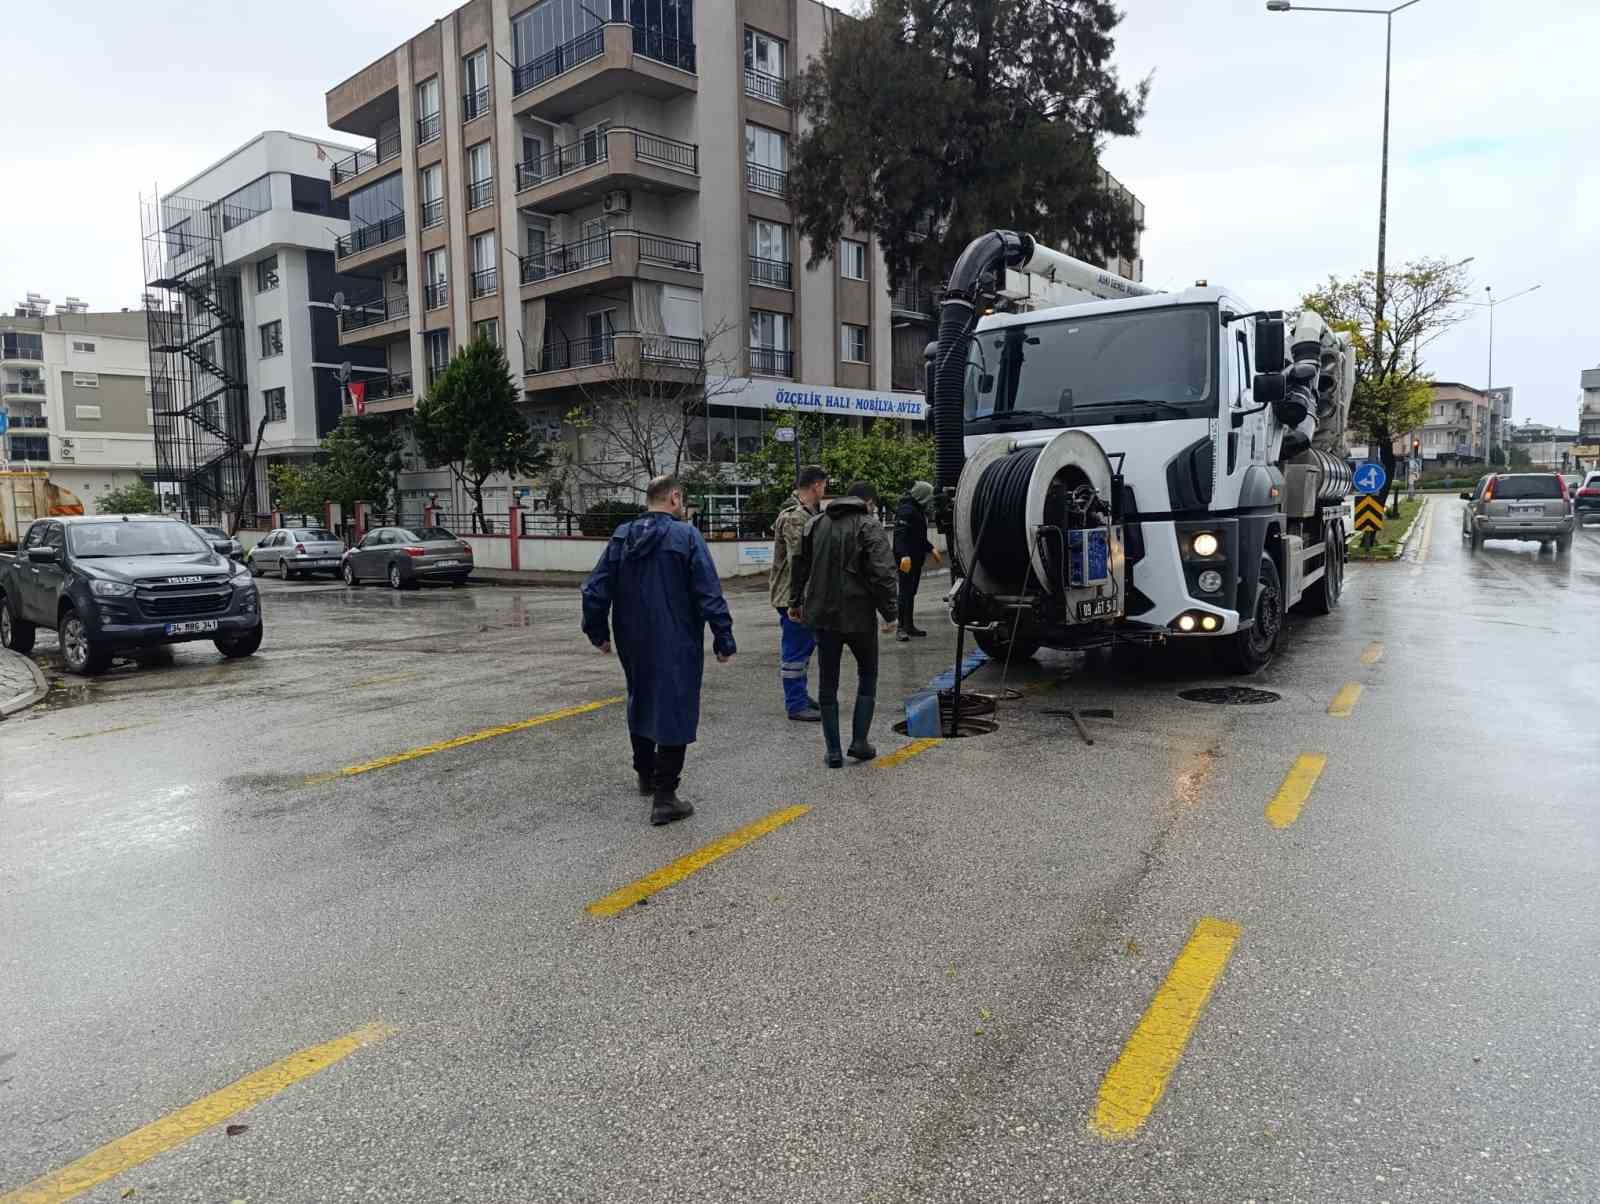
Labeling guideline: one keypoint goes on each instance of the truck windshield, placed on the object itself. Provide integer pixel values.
(89, 540)
(1140, 366)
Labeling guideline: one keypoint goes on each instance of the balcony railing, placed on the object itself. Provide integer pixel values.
(664, 48)
(560, 259)
(602, 349)
(676, 352)
(381, 151)
(364, 238)
(432, 212)
(766, 179)
(565, 57)
(32, 449)
(475, 104)
(234, 216)
(362, 314)
(771, 273)
(428, 128)
(669, 152)
(28, 422)
(436, 295)
(396, 384)
(771, 361)
(21, 353)
(771, 88)
(564, 160)
(910, 297)
(24, 388)
(485, 281)
(480, 193)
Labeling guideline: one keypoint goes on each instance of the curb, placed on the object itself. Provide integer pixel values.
(22, 702)
(1416, 519)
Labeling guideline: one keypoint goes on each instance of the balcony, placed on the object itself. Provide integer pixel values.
(480, 193)
(569, 177)
(606, 259)
(594, 66)
(429, 128)
(23, 388)
(385, 394)
(770, 180)
(436, 295)
(485, 282)
(620, 355)
(371, 243)
(475, 104)
(347, 170)
(910, 300)
(771, 361)
(771, 273)
(373, 321)
(773, 89)
(12, 351)
(432, 213)
(28, 422)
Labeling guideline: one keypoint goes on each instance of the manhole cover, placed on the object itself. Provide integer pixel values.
(968, 727)
(1229, 696)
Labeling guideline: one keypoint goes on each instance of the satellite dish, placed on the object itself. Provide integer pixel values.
(344, 371)
(338, 300)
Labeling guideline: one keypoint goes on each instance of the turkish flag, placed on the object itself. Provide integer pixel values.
(358, 395)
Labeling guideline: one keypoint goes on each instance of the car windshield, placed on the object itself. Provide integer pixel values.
(1141, 366)
(89, 540)
(315, 535)
(1508, 489)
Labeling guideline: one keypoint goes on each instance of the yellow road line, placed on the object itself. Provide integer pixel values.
(177, 1127)
(906, 751)
(1285, 806)
(680, 869)
(1345, 700)
(1137, 1080)
(1373, 653)
(488, 733)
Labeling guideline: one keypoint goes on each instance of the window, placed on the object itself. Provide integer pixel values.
(488, 331)
(769, 343)
(436, 349)
(149, 417)
(427, 111)
(86, 380)
(15, 345)
(436, 279)
(485, 277)
(532, 160)
(480, 176)
(769, 254)
(275, 403)
(86, 412)
(432, 195)
(593, 145)
(378, 204)
(267, 274)
(81, 345)
(475, 77)
(271, 339)
(766, 154)
(763, 53)
(853, 343)
(852, 259)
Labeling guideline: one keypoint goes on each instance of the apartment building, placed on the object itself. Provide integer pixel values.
(605, 198)
(75, 389)
(241, 276)
(1459, 423)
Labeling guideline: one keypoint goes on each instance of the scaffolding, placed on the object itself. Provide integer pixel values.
(198, 391)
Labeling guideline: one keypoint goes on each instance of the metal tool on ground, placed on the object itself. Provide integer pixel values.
(1079, 714)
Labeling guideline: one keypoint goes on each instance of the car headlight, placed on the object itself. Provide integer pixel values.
(110, 589)
(243, 578)
(1205, 544)
(1210, 581)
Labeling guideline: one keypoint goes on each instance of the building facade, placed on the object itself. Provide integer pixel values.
(1545, 446)
(243, 330)
(75, 388)
(1458, 426)
(1587, 450)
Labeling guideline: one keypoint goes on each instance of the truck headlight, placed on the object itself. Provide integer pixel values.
(1205, 544)
(110, 589)
(1210, 581)
(242, 578)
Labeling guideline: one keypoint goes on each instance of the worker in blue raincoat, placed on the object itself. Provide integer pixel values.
(656, 588)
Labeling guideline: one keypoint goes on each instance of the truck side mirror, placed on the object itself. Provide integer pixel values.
(221, 546)
(1271, 339)
(44, 555)
(1269, 387)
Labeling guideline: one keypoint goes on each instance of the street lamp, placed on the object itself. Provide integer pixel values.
(1488, 436)
(1283, 6)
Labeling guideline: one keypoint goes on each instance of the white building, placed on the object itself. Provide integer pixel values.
(75, 389)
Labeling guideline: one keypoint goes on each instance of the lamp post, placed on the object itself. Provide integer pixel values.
(1488, 289)
(1284, 6)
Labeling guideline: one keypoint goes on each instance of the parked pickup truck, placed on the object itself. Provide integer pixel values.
(119, 583)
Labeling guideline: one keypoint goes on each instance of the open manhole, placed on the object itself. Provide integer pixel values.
(1229, 696)
(968, 727)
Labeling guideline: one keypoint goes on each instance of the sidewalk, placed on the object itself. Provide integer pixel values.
(21, 683)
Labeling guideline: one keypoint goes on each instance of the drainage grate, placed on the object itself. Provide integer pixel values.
(1230, 696)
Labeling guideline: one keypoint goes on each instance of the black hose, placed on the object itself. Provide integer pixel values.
(999, 508)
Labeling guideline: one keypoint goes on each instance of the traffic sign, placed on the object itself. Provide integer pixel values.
(784, 434)
(1369, 514)
(1370, 477)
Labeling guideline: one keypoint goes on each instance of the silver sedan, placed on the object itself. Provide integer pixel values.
(404, 556)
(297, 552)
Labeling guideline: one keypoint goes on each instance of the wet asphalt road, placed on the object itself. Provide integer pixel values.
(913, 991)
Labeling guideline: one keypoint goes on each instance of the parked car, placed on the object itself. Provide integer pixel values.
(297, 552)
(110, 583)
(1519, 505)
(404, 556)
(1586, 497)
(216, 536)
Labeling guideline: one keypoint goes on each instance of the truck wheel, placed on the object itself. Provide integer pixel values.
(80, 653)
(15, 634)
(998, 646)
(240, 645)
(1563, 544)
(1250, 650)
(1477, 541)
(1323, 596)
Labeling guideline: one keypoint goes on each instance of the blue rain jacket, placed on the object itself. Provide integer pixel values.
(652, 594)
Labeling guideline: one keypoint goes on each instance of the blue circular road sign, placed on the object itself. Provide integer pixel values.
(1370, 477)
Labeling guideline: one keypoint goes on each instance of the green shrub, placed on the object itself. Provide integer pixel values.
(603, 518)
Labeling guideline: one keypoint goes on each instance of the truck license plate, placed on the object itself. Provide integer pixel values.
(191, 627)
(1097, 608)
(1519, 510)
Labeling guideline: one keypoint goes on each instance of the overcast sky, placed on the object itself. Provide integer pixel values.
(1258, 160)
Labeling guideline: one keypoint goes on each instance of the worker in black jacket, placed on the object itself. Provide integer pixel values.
(911, 549)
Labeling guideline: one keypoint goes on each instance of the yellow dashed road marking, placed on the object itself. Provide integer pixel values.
(695, 861)
(488, 733)
(1285, 806)
(1137, 1080)
(906, 751)
(1345, 700)
(177, 1127)
(1373, 653)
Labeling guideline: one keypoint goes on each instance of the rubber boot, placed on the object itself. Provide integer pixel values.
(644, 785)
(860, 727)
(668, 807)
(833, 758)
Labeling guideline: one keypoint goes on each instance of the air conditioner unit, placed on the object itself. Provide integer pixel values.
(398, 273)
(618, 200)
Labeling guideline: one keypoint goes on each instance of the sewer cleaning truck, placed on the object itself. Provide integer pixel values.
(1121, 465)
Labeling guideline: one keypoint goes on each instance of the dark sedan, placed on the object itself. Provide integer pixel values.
(405, 556)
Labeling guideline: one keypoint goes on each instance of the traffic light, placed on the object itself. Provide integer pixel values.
(1416, 446)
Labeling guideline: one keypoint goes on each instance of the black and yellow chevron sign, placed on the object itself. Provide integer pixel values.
(1369, 514)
